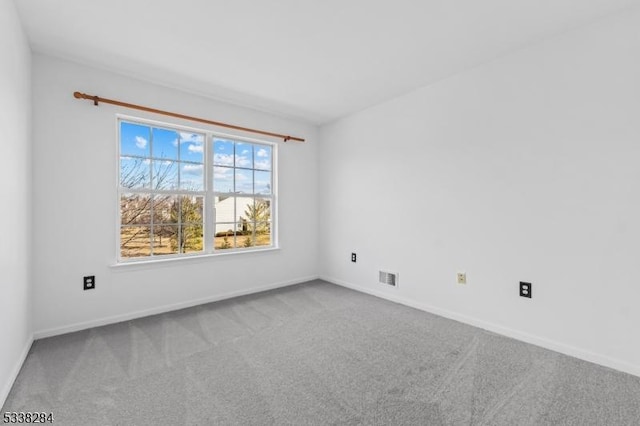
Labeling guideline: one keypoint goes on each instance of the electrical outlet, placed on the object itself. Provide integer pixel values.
(89, 282)
(525, 289)
(353, 257)
(461, 277)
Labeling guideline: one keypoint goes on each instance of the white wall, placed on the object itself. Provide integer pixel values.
(15, 187)
(526, 168)
(75, 205)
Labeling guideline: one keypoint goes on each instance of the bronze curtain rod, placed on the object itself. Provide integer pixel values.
(97, 99)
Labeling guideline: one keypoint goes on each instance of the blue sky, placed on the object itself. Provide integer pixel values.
(135, 140)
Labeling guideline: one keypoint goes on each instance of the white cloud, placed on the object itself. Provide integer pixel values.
(175, 142)
(192, 167)
(244, 152)
(262, 153)
(222, 173)
(243, 161)
(191, 137)
(240, 176)
(141, 142)
(223, 159)
(196, 148)
(263, 164)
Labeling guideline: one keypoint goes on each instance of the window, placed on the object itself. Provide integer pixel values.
(184, 192)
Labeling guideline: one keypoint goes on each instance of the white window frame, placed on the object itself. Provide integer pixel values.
(208, 193)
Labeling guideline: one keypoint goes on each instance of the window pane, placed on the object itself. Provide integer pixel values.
(262, 157)
(135, 209)
(262, 182)
(244, 155)
(165, 209)
(165, 144)
(225, 209)
(224, 236)
(246, 238)
(243, 228)
(134, 173)
(263, 234)
(191, 208)
(262, 210)
(165, 175)
(191, 147)
(222, 152)
(224, 229)
(135, 241)
(244, 181)
(192, 177)
(223, 179)
(165, 239)
(192, 238)
(134, 139)
(244, 210)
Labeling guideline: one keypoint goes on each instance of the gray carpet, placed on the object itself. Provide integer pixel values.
(313, 354)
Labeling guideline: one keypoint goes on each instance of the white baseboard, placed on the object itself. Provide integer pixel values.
(4, 392)
(165, 308)
(572, 351)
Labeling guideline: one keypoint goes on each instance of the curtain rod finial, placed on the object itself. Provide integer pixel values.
(80, 95)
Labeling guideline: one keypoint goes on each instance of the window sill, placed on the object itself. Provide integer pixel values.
(196, 258)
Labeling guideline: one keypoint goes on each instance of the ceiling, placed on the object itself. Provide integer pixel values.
(315, 60)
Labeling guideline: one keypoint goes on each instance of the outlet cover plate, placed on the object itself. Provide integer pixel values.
(89, 282)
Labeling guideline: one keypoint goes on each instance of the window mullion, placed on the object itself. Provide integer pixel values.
(151, 196)
(209, 211)
(235, 198)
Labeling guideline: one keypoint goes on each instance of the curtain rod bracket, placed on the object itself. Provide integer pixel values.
(95, 100)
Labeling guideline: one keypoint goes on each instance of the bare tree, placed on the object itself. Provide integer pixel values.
(135, 209)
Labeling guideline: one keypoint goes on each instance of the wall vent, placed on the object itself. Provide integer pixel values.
(388, 278)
